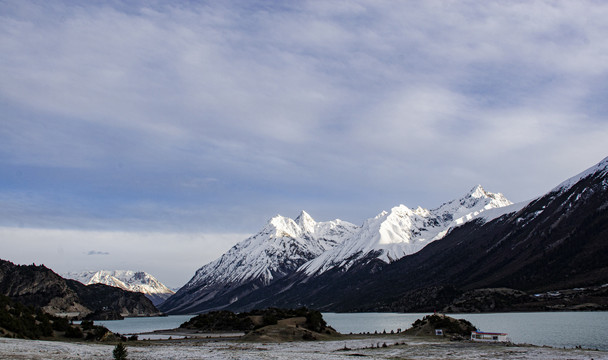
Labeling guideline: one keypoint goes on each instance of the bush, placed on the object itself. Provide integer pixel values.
(86, 324)
(269, 319)
(74, 332)
(314, 321)
(61, 324)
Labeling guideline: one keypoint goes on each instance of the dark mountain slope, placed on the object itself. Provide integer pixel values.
(41, 287)
(558, 241)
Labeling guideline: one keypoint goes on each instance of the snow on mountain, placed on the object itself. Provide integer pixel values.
(278, 249)
(392, 235)
(600, 168)
(135, 281)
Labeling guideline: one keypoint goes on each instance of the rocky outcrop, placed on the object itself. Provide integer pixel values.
(39, 286)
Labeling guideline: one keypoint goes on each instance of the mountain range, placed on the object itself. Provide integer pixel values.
(135, 281)
(479, 252)
(279, 249)
(285, 247)
(547, 254)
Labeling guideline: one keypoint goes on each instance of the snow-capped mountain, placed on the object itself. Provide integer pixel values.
(556, 241)
(285, 246)
(135, 281)
(351, 268)
(392, 235)
(277, 250)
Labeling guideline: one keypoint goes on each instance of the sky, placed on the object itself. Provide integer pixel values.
(151, 135)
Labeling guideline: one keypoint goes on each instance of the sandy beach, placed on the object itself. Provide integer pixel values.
(397, 347)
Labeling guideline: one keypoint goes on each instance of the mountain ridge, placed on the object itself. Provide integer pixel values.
(285, 246)
(403, 231)
(555, 244)
(277, 250)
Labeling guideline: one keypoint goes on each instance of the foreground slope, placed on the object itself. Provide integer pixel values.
(277, 250)
(136, 281)
(558, 241)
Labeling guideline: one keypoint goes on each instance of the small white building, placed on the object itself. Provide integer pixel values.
(489, 336)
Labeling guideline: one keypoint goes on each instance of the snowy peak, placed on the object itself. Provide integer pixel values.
(282, 246)
(281, 226)
(107, 277)
(306, 222)
(470, 205)
(477, 192)
(402, 231)
(135, 281)
(471, 200)
(276, 251)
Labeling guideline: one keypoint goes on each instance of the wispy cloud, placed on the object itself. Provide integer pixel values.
(201, 115)
(95, 252)
(171, 257)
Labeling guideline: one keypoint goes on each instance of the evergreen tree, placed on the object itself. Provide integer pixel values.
(120, 352)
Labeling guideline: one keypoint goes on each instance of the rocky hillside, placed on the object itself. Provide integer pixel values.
(39, 286)
(29, 322)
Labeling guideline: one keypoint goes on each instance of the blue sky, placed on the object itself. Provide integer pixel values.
(128, 123)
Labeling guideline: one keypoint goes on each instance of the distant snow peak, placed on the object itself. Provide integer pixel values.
(136, 281)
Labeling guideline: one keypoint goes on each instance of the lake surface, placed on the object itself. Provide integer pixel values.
(558, 329)
(138, 325)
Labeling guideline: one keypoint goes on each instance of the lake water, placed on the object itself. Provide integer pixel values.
(558, 329)
(138, 325)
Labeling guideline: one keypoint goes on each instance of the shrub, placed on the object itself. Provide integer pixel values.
(314, 321)
(74, 332)
(86, 324)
